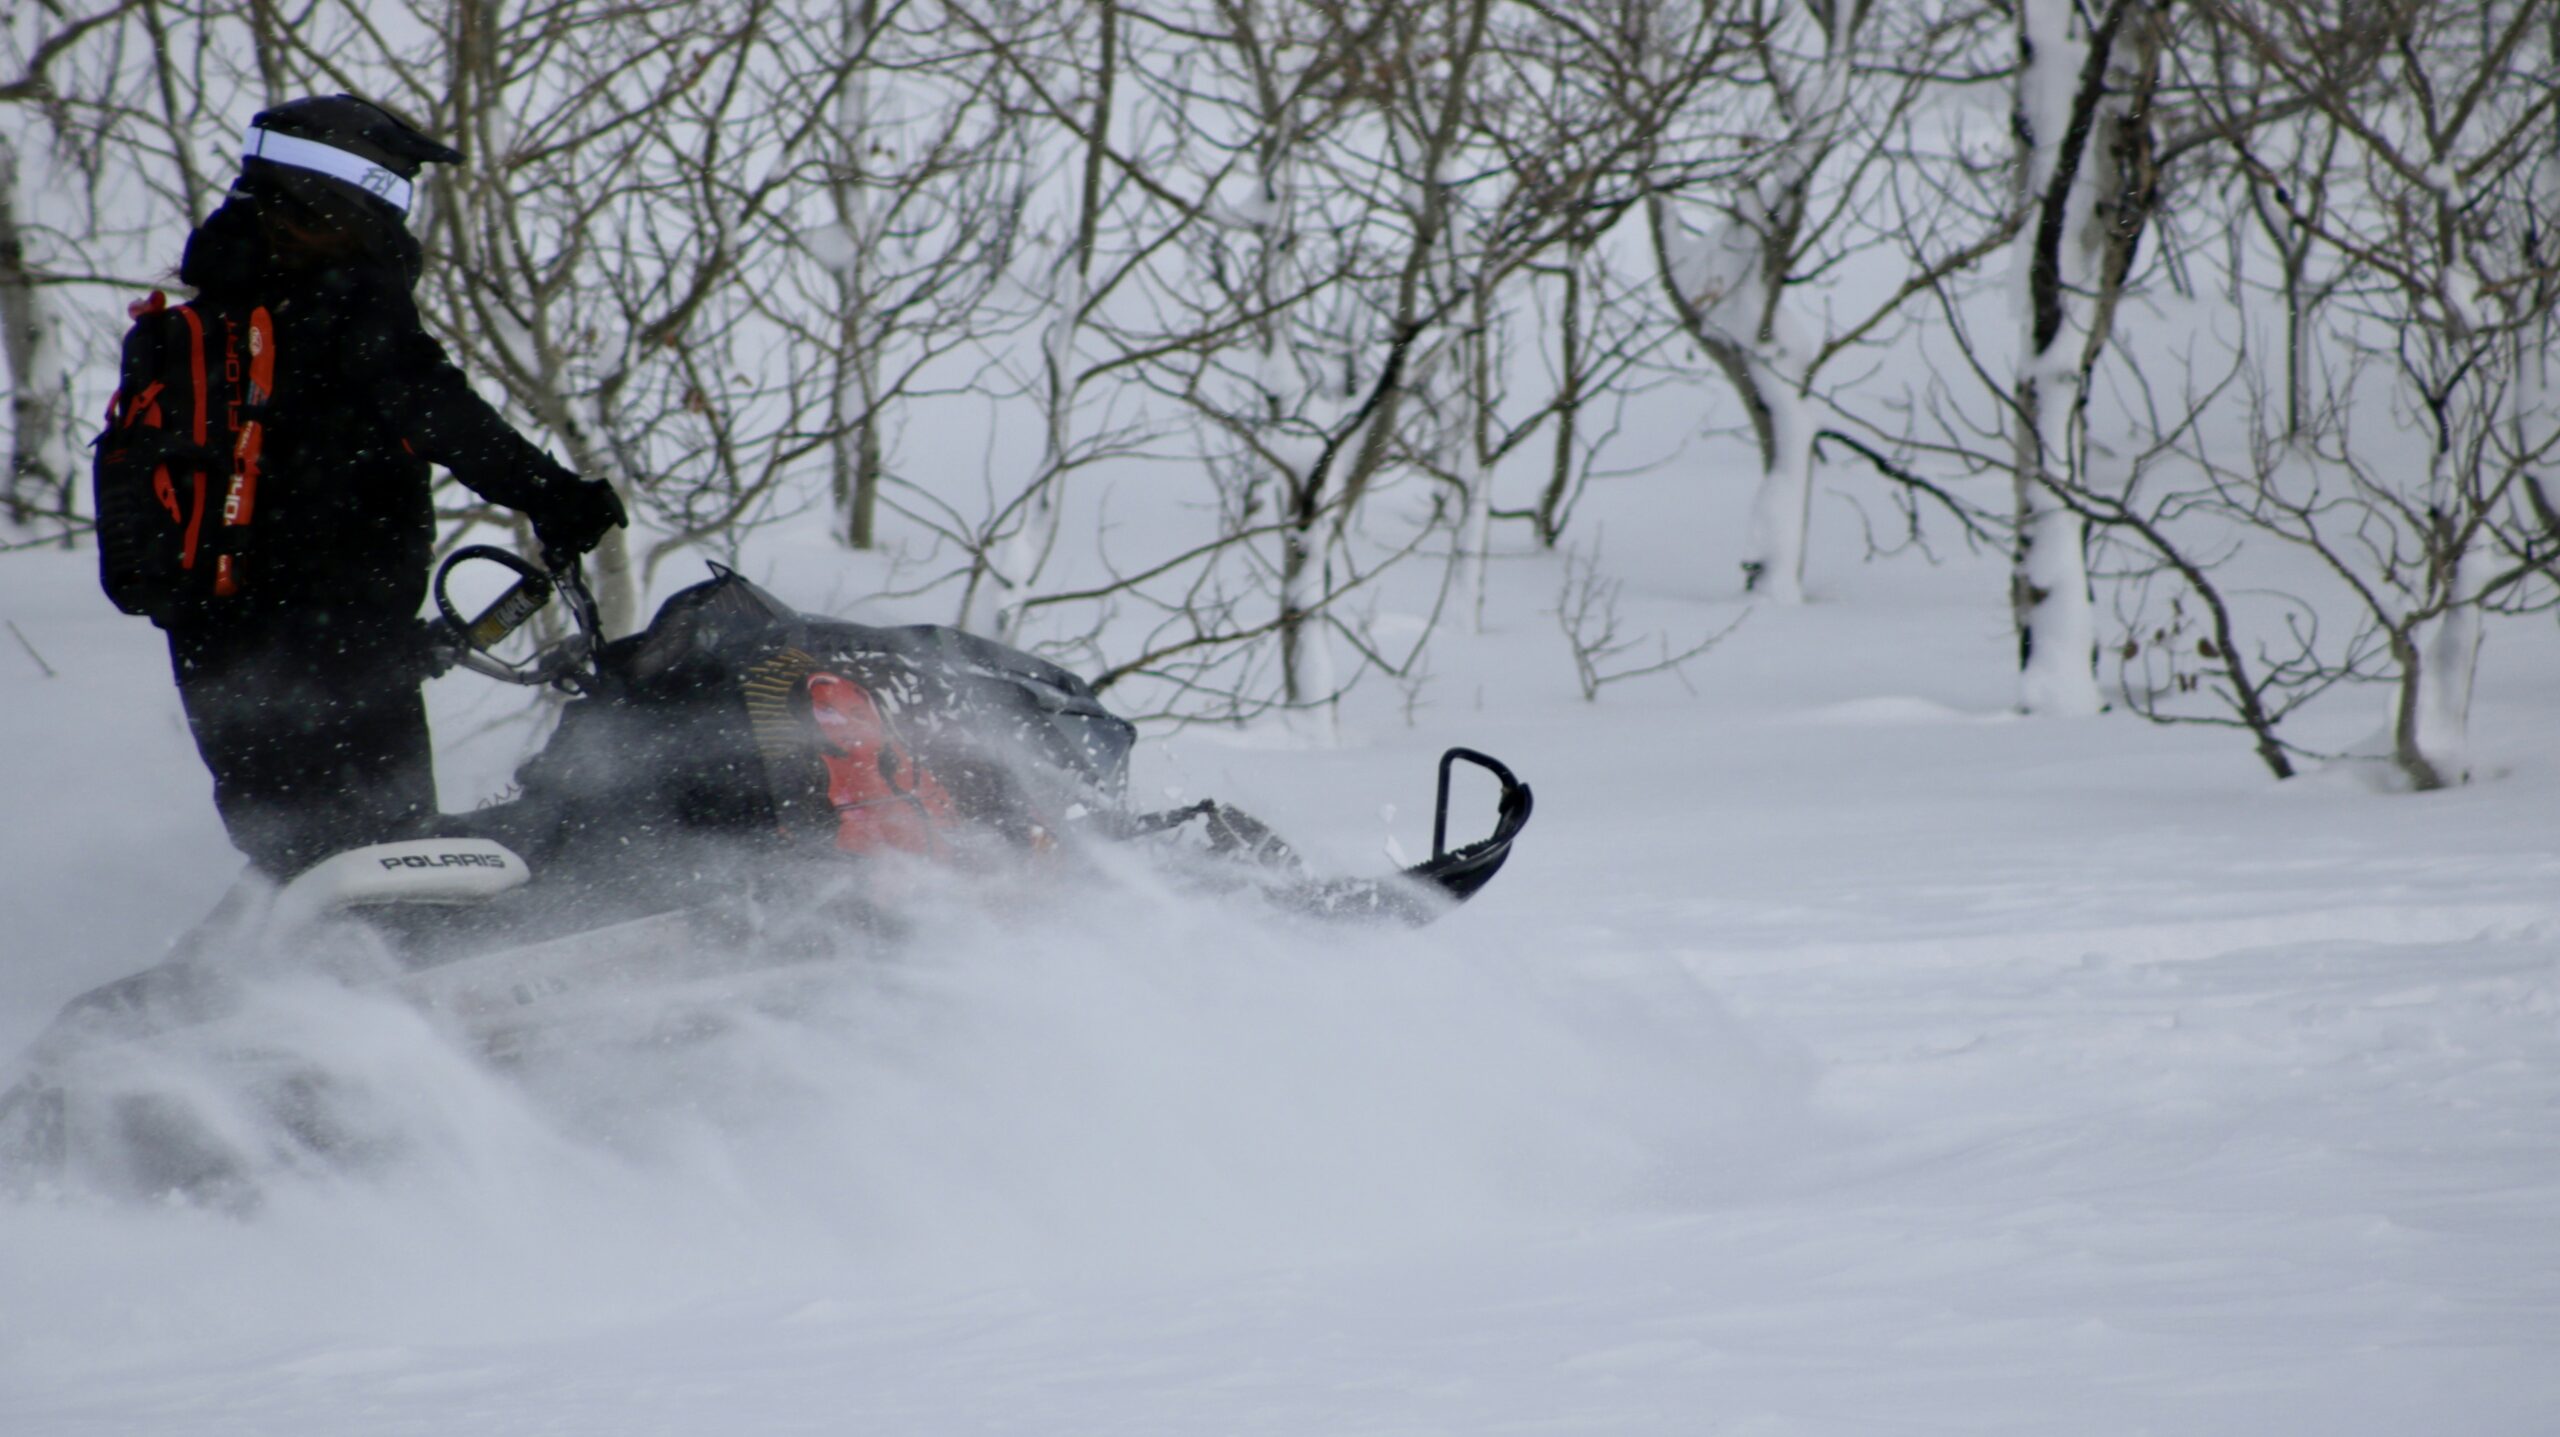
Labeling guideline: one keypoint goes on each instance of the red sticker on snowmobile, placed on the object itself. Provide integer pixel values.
(883, 798)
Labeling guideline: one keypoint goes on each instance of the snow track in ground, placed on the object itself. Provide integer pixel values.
(2169, 942)
(2214, 1187)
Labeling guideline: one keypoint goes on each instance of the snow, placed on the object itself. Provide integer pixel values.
(835, 246)
(1842, 1053)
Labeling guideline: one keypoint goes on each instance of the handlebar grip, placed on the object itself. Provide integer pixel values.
(522, 600)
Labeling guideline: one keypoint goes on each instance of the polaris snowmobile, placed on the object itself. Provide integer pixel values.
(738, 789)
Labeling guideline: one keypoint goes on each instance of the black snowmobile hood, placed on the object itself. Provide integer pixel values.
(712, 636)
(719, 614)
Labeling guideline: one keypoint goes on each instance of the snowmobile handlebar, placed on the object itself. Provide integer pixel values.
(469, 643)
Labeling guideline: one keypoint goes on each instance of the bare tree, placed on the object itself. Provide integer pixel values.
(924, 188)
(1563, 142)
(1831, 87)
(41, 456)
(2404, 470)
(1587, 613)
(57, 98)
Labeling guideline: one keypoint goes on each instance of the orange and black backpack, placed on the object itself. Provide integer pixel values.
(176, 473)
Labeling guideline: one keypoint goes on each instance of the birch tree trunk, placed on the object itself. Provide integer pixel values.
(1472, 534)
(1729, 289)
(42, 459)
(854, 453)
(2432, 727)
(1834, 86)
(2060, 261)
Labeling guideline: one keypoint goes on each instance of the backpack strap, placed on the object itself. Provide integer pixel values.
(240, 503)
(197, 431)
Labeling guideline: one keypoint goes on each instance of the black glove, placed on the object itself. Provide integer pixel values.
(577, 518)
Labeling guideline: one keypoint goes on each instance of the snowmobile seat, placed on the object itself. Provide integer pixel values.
(440, 871)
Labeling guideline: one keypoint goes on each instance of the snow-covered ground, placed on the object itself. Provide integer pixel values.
(1839, 1055)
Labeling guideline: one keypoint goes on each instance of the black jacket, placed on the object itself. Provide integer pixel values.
(364, 401)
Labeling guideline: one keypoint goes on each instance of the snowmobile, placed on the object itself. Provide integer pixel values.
(739, 788)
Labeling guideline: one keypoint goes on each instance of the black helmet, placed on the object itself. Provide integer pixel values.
(356, 143)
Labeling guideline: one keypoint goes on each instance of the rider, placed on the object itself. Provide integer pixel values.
(304, 691)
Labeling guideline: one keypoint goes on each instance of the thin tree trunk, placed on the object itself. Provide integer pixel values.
(855, 453)
(2049, 591)
(1568, 406)
(2049, 575)
(41, 459)
(479, 91)
(1019, 558)
(1473, 532)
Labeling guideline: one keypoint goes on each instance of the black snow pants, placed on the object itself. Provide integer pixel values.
(314, 727)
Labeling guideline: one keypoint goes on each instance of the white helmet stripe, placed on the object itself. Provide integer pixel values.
(337, 164)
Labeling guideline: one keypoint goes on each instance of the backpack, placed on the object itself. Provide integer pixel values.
(176, 475)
